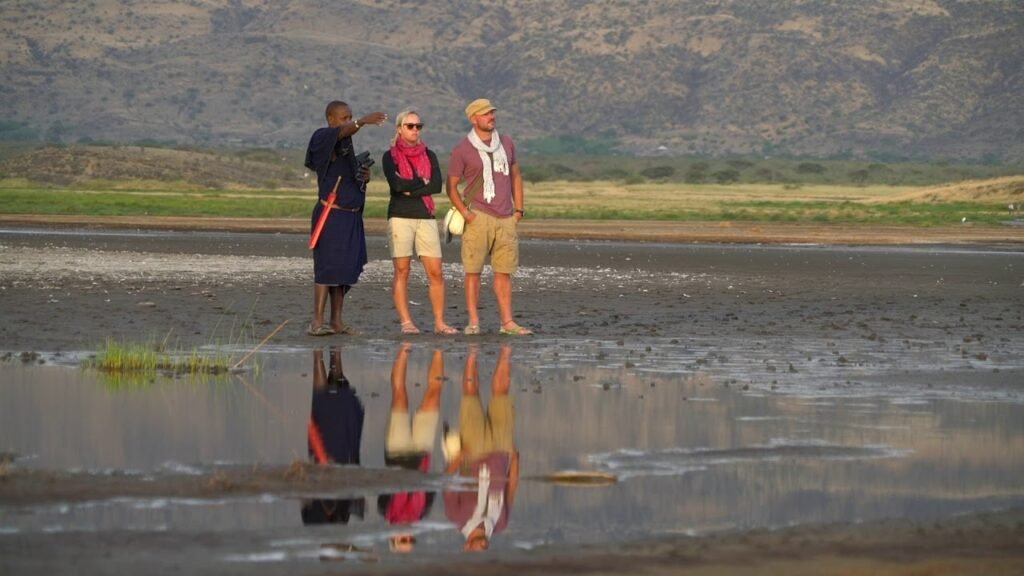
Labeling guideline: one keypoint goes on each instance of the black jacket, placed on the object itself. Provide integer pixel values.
(407, 195)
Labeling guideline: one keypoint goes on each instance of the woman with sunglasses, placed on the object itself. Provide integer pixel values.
(414, 177)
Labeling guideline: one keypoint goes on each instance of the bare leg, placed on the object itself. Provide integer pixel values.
(470, 374)
(400, 288)
(319, 373)
(502, 380)
(320, 292)
(435, 383)
(473, 298)
(436, 278)
(337, 302)
(336, 369)
(503, 293)
(472, 422)
(399, 395)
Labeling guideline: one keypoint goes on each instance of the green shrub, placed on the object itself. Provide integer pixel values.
(658, 172)
(810, 168)
(727, 176)
(697, 174)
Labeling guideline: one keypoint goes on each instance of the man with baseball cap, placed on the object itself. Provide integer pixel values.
(492, 204)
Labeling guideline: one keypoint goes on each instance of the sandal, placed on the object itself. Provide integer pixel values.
(472, 330)
(446, 330)
(515, 330)
(321, 330)
(347, 331)
(409, 328)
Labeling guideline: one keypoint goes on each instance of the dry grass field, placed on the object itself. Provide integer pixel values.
(990, 202)
(1006, 190)
(122, 181)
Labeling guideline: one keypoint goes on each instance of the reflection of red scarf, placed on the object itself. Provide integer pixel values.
(412, 161)
(409, 507)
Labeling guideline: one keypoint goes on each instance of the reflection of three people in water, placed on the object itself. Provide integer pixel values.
(484, 449)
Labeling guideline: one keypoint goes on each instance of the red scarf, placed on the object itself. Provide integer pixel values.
(412, 161)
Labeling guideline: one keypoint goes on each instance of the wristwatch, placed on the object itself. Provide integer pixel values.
(523, 212)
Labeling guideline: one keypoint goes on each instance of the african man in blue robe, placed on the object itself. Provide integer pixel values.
(340, 251)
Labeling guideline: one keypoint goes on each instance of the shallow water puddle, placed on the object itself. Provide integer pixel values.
(699, 439)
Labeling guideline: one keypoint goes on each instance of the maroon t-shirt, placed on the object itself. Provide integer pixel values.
(466, 164)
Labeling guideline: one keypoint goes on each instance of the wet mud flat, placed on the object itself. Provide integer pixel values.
(839, 363)
(981, 544)
(69, 289)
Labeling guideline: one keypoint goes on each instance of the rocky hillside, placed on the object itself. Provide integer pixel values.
(85, 165)
(878, 79)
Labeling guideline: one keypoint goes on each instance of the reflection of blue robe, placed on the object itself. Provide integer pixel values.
(338, 414)
(340, 254)
(333, 511)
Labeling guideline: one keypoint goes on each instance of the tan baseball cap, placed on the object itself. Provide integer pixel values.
(479, 106)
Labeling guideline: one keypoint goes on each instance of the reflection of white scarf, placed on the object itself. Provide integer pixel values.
(488, 506)
(500, 160)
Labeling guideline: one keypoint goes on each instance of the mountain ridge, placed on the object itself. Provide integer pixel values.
(884, 79)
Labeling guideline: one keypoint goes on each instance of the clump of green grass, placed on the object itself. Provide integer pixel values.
(150, 359)
(138, 364)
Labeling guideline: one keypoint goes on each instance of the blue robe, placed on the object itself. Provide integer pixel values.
(340, 254)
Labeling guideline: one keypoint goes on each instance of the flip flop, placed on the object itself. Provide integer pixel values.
(472, 330)
(321, 330)
(409, 328)
(516, 330)
(446, 331)
(347, 331)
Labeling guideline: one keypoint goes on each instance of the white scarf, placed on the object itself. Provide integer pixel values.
(500, 160)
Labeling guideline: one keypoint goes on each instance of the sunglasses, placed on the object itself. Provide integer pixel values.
(411, 126)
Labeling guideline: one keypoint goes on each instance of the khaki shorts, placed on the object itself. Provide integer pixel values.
(408, 234)
(487, 235)
(493, 433)
(411, 437)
